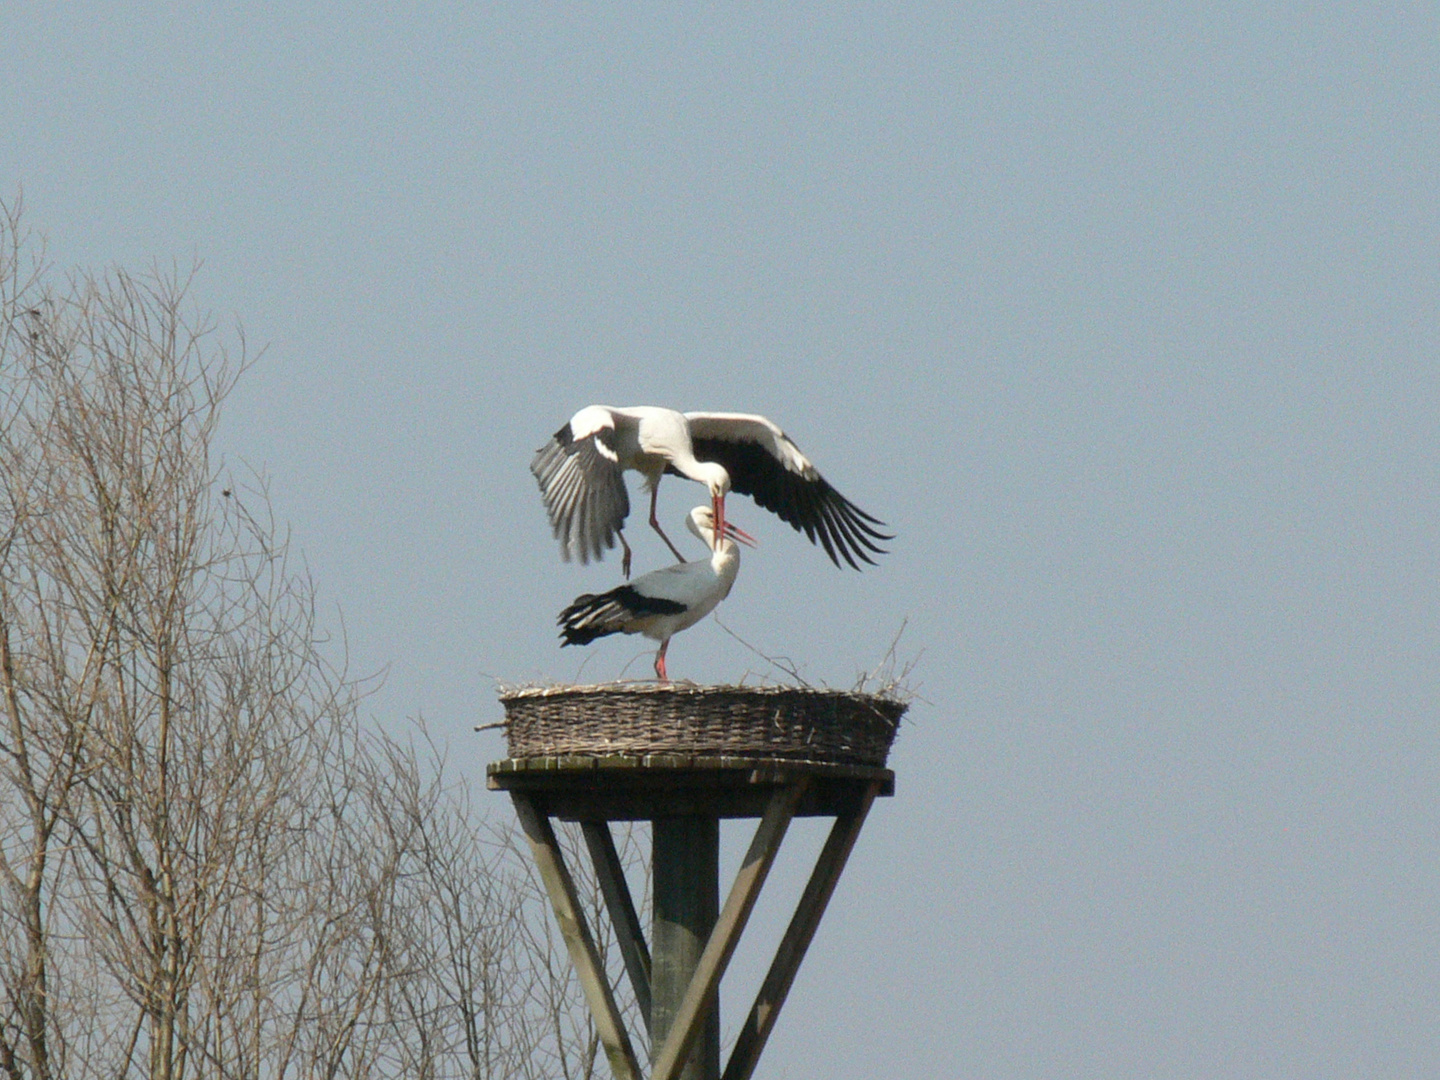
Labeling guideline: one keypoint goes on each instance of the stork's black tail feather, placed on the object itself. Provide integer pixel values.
(593, 616)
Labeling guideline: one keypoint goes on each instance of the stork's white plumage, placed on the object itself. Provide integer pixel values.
(581, 472)
(663, 602)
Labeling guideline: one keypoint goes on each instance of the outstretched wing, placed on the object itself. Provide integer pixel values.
(583, 485)
(764, 463)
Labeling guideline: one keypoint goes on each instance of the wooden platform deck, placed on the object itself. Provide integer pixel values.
(620, 788)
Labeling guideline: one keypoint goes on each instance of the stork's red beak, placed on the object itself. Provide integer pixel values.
(717, 505)
(734, 532)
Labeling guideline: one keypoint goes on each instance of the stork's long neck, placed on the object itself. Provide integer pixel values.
(687, 464)
(725, 562)
(724, 559)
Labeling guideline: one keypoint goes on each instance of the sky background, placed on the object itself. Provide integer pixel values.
(1123, 316)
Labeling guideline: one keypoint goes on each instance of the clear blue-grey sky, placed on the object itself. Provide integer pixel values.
(1123, 316)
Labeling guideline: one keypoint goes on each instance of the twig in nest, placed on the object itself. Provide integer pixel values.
(784, 663)
(892, 676)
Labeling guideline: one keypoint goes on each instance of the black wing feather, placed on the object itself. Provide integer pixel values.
(810, 506)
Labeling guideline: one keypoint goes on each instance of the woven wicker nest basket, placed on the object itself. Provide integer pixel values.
(635, 720)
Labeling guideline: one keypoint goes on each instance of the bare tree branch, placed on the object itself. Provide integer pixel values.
(210, 865)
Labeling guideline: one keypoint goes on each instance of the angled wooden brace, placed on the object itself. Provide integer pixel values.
(583, 954)
(616, 890)
(818, 890)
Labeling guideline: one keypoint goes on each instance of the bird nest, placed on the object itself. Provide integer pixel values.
(768, 722)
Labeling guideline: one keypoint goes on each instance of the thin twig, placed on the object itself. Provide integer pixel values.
(784, 663)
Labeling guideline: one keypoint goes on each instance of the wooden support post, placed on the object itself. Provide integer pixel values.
(701, 996)
(616, 890)
(798, 936)
(677, 980)
(686, 872)
(571, 919)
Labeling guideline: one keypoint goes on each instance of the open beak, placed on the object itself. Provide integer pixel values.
(717, 506)
(734, 532)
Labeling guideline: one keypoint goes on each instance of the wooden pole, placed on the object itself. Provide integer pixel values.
(702, 997)
(686, 871)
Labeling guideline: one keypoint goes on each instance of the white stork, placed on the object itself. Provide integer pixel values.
(663, 602)
(581, 472)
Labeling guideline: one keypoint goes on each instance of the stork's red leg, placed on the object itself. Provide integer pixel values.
(625, 561)
(654, 524)
(660, 661)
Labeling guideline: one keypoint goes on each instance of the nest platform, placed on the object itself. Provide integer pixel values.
(641, 750)
(684, 757)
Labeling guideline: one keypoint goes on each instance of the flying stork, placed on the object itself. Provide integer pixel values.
(663, 602)
(581, 476)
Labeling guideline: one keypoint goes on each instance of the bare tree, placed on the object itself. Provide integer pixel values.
(483, 986)
(167, 710)
(209, 865)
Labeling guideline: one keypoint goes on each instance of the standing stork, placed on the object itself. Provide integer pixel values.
(663, 602)
(581, 472)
